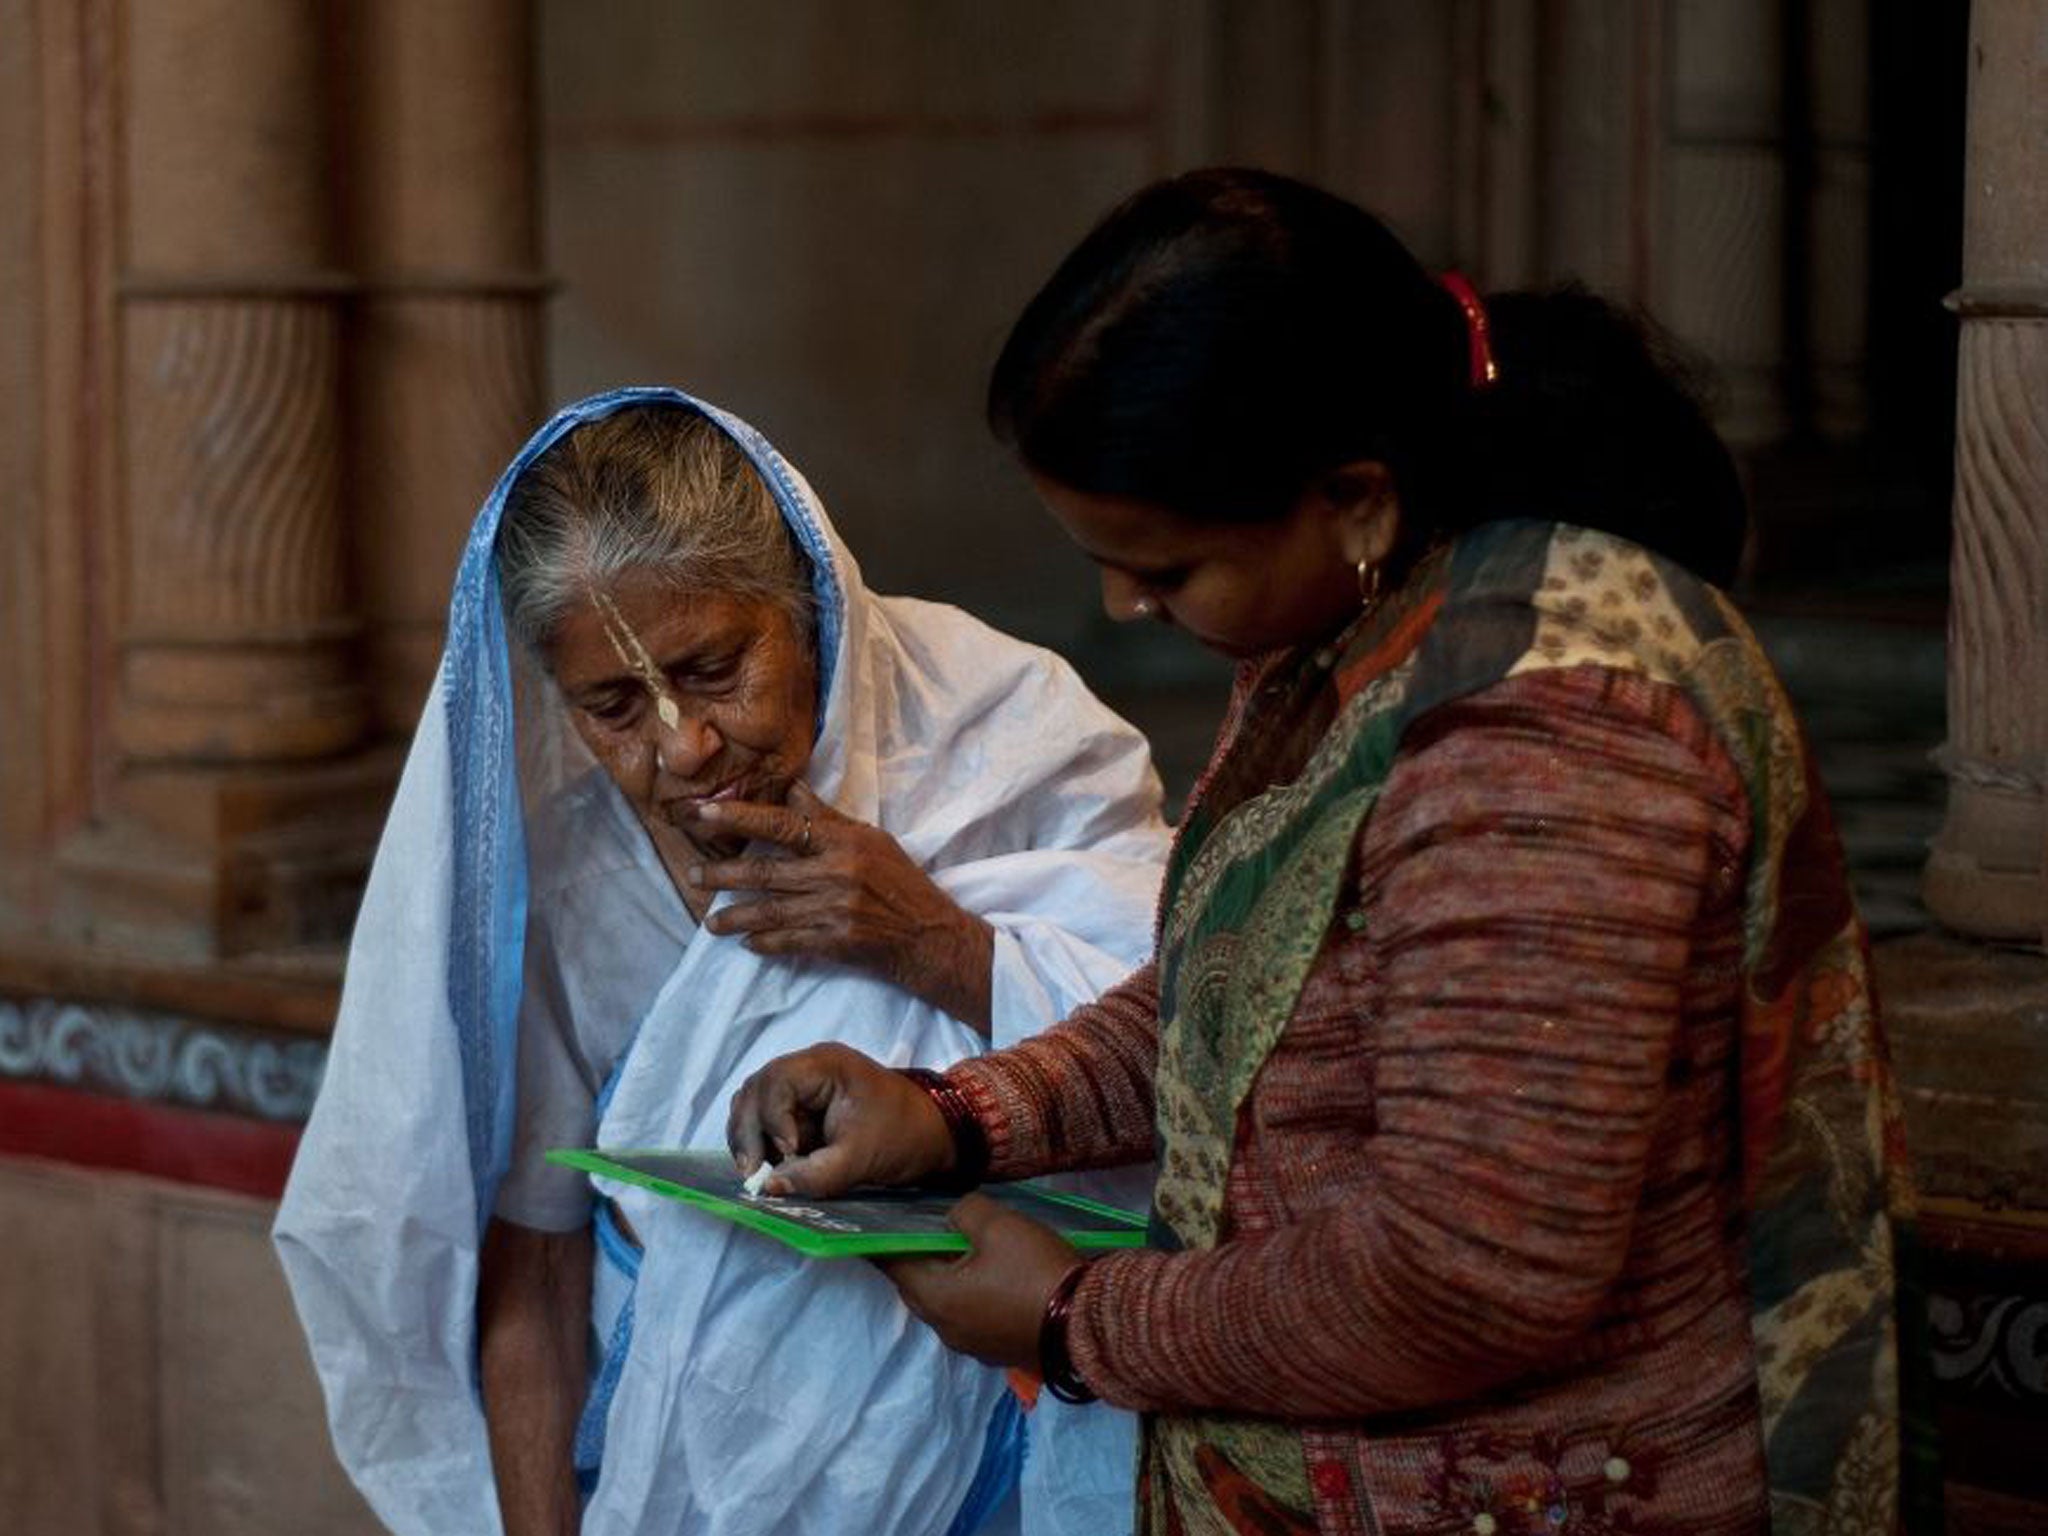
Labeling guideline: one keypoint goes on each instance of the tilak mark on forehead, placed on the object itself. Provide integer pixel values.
(633, 656)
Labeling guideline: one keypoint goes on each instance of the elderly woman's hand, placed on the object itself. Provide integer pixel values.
(843, 890)
(990, 1302)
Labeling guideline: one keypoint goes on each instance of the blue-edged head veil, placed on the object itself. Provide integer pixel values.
(478, 690)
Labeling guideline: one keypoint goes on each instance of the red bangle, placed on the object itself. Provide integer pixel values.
(1055, 1365)
(970, 1141)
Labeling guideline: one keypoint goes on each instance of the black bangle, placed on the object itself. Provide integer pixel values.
(1055, 1365)
(970, 1141)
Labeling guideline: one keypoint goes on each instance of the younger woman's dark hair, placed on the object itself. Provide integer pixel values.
(1225, 338)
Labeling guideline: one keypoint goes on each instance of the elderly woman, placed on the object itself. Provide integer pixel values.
(740, 802)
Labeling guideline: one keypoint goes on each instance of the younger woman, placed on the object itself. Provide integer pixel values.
(1526, 1140)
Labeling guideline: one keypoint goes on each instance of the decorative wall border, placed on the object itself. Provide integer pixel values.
(1992, 1344)
(160, 1058)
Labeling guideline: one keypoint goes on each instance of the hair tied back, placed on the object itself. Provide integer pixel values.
(1485, 370)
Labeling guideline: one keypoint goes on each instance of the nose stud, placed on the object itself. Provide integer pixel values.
(1144, 608)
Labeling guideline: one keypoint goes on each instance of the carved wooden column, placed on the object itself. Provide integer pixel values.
(1988, 875)
(445, 373)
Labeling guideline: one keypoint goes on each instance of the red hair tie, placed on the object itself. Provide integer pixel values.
(1485, 370)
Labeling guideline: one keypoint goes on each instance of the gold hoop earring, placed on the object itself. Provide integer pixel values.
(1369, 578)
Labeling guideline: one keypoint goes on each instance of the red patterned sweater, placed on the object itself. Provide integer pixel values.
(1483, 1230)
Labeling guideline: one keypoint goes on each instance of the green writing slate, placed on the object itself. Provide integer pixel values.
(868, 1223)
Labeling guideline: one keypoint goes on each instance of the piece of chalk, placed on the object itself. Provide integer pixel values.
(757, 1181)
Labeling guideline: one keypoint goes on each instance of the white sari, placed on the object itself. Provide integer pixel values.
(745, 1390)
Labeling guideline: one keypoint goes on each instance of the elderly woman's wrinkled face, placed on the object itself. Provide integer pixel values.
(686, 698)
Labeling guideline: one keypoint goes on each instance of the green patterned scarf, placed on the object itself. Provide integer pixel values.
(1254, 886)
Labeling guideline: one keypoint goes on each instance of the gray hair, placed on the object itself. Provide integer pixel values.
(655, 489)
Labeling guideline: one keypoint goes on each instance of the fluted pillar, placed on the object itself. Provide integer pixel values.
(1966, 1015)
(326, 322)
(236, 625)
(233, 811)
(1988, 874)
(447, 350)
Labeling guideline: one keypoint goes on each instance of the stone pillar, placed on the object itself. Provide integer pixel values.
(1605, 86)
(1969, 1019)
(1721, 287)
(1497, 135)
(1988, 875)
(1392, 90)
(445, 370)
(327, 334)
(1836, 242)
(58, 187)
(236, 626)
(219, 823)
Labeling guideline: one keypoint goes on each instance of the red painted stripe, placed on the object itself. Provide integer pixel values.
(187, 1146)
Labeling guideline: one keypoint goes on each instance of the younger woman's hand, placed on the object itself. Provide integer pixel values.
(832, 1119)
(989, 1302)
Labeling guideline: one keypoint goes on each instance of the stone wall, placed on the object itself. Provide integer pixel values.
(155, 1382)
